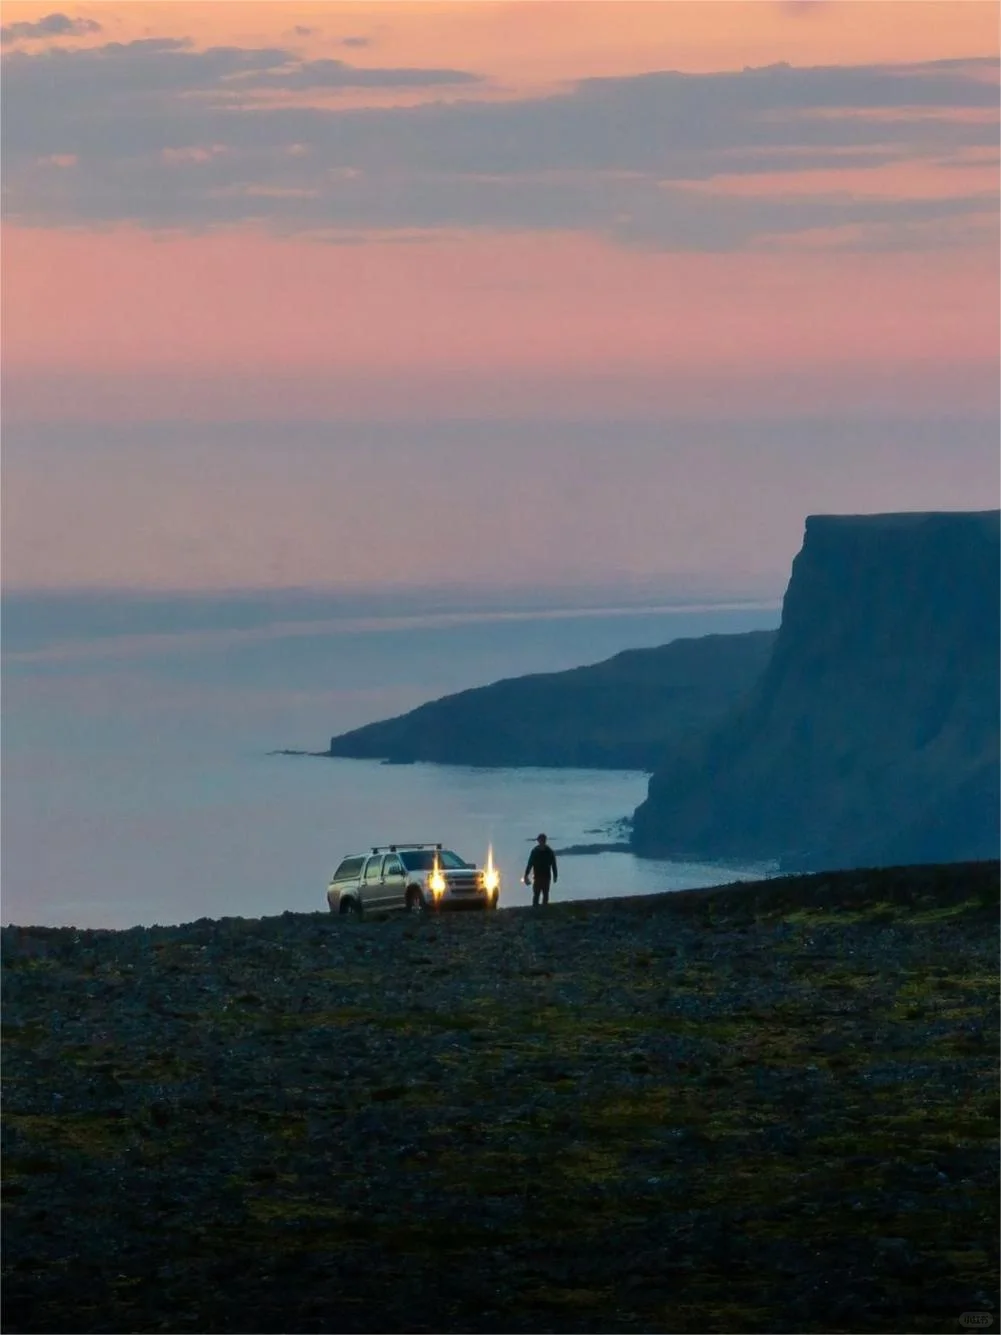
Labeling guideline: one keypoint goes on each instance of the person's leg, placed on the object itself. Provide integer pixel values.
(535, 894)
(545, 893)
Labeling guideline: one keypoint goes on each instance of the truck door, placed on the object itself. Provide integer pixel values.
(393, 882)
(371, 884)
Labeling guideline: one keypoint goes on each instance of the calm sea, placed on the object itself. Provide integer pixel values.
(138, 787)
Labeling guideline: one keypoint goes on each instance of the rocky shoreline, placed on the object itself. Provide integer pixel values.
(768, 1107)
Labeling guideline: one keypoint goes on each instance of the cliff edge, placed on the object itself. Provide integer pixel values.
(872, 736)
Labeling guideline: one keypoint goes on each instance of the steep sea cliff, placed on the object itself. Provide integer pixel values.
(872, 734)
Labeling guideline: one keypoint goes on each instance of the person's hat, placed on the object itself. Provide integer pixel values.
(540, 836)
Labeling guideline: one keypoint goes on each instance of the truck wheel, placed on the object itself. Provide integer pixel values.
(350, 908)
(415, 903)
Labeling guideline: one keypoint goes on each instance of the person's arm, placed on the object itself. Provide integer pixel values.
(556, 874)
(528, 865)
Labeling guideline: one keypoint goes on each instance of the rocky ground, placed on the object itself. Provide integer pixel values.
(763, 1108)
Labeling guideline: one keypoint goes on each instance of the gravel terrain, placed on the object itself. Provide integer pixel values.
(768, 1107)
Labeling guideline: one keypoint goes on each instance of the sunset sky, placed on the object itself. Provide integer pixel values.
(515, 293)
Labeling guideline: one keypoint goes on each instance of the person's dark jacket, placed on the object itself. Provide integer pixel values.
(542, 865)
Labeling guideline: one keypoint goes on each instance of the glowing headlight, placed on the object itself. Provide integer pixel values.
(436, 883)
(491, 876)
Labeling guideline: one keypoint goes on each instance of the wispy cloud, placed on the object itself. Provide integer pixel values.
(802, 8)
(52, 25)
(353, 42)
(168, 136)
(90, 82)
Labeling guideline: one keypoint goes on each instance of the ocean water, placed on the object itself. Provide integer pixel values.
(139, 785)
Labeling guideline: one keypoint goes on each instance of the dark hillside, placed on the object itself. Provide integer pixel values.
(760, 1108)
(623, 713)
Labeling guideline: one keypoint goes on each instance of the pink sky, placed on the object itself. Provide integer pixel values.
(419, 213)
(143, 324)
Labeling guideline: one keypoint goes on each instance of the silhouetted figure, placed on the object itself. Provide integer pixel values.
(542, 869)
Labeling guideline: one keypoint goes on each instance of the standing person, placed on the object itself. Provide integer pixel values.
(542, 868)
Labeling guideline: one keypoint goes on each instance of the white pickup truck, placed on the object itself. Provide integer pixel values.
(414, 878)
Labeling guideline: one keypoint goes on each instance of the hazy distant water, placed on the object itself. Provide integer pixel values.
(137, 787)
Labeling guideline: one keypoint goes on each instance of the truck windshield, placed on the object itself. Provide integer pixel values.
(422, 859)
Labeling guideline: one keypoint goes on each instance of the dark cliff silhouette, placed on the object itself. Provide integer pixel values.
(872, 736)
(624, 713)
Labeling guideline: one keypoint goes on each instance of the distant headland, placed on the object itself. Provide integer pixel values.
(865, 731)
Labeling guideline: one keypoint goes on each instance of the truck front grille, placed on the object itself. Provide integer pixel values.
(463, 885)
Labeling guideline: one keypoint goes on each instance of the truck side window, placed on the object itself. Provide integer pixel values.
(392, 867)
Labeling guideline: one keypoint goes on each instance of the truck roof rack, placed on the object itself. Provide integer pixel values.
(395, 848)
